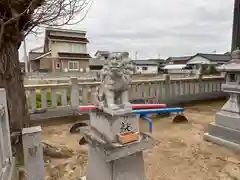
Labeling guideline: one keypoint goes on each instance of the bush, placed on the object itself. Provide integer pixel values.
(49, 99)
(210, 69)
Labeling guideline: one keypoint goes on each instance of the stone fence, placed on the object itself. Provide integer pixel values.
(59, 100)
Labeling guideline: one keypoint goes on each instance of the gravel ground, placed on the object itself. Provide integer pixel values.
(181, 155)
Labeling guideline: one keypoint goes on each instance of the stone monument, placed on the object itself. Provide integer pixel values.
(115, 143)
(226, 128)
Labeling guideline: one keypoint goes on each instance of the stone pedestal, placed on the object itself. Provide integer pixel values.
(226, 128)
(115, 143)
(108, 159)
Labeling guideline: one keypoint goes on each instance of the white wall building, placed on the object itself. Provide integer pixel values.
(210, 59)
(146, 67)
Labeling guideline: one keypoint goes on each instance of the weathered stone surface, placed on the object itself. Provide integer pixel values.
(225, 133)
(226, 129)
(128, 167)
(110, 126)
(115, 77)
(108, 159)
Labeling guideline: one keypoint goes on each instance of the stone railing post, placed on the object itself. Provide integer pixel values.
(33, 153)
(167, 86)
(199, 76)
(74, 93)
(199, 80)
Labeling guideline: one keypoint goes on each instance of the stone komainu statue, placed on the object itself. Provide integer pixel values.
(115, 78)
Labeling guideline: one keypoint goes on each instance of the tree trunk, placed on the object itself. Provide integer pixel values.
(11, 76)
(12, 80)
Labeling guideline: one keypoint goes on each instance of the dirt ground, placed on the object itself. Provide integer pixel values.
(181, 155)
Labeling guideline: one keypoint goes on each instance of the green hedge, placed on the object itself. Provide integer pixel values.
(49, 99)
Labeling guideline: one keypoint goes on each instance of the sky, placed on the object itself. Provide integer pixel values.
(155, 28)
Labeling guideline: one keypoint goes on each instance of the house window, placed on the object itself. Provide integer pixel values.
(145, 68)
(58, 65)
(232, 77)
(73, 65)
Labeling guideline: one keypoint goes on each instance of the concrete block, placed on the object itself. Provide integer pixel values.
(33, 153)
(224, 133)
(110, 126)
(128, 167)
(228, 119)
(220, 141)
(98, 168)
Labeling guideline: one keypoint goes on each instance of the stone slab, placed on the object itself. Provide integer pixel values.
(221, 141)
(112, 152)
(110, 126)
(224, 133)
(228, 119)
(118, 112)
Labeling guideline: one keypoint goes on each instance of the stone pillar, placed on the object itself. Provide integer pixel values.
(33, 153)
(74, 93)
(115, 143)
(236, 26)
(167, 83)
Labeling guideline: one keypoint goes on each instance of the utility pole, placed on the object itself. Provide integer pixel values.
(136, 53)
(236, 26)
(25, 55)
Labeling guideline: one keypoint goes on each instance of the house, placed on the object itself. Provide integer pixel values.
(146, 66)
(102, 54)
(96, 64)
(64, 50)
(209, 59)
(33, 54)
(22, 67)
(178, 60)
(161, 63)
(176, 69)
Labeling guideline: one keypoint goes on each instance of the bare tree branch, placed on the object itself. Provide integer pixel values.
(27, 15)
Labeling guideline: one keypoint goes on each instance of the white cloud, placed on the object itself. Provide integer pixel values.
(165, 27)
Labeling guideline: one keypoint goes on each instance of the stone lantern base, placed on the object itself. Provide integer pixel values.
(223, 136)
(225, 130)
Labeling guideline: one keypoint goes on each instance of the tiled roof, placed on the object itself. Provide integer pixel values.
(158, 61)
(50, 29)
(82, 39)
(215, 57)
(145, 62)
(102, 53)
(74, 55)
(34, 55)
(183, 58)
